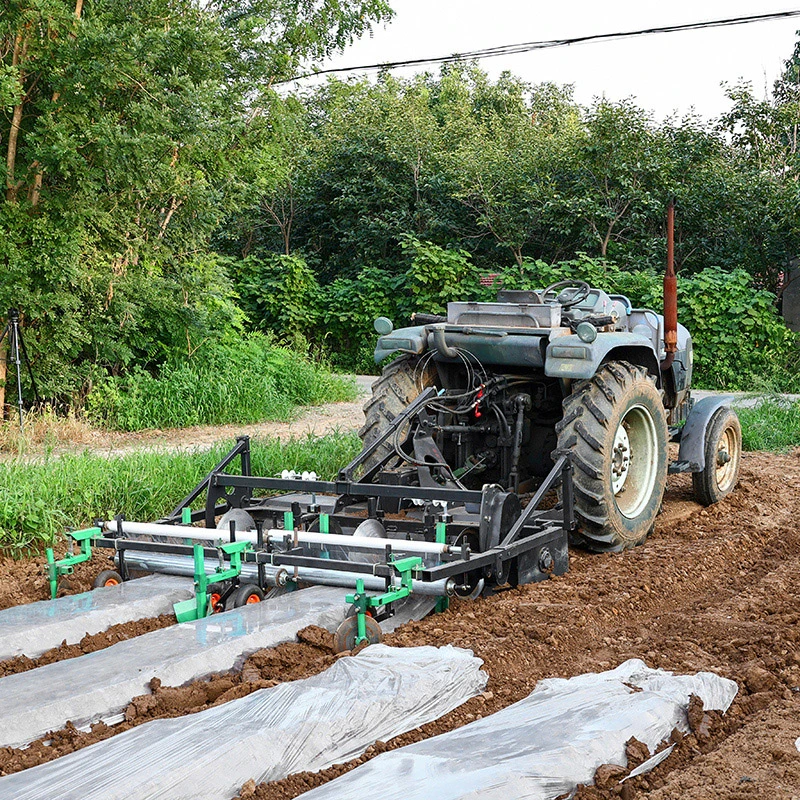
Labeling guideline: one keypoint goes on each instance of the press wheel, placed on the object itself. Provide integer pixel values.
(346, 634)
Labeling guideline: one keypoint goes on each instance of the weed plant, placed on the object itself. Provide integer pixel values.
(39, 500)
(250, 381)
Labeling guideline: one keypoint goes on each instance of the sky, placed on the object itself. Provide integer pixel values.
(666, 73)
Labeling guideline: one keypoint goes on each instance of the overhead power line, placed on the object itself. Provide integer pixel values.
(526, 47)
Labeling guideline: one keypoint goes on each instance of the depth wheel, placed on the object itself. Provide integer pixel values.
(346, 634)
(723, 451)
(615, 428)
(108, 577)
(246, 595)
(214, 592)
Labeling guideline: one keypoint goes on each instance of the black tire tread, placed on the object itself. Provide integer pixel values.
(582, 431)
(400, 384)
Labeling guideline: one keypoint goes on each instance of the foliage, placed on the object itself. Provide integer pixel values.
(435, 277)
(279, 293)
(143, 486)
(127, 135)
(160, 193)
(242, 382)
(772, 424)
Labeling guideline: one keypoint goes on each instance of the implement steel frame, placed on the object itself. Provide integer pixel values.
(530, 530)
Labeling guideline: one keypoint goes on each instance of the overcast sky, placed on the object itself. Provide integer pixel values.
(665, 73)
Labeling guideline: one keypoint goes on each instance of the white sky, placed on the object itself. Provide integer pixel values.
(665, 73)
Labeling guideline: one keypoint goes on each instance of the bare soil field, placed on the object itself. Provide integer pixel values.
(713, 589)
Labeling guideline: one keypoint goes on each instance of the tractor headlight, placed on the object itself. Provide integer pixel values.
(383, 326)
(586, 332)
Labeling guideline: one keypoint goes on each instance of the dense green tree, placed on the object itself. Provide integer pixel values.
(126, 134)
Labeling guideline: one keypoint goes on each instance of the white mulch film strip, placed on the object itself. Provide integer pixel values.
(303, 725)
(540, 747)
(98, 686)
(32, 629)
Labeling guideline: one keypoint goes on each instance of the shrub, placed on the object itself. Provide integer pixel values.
(250, 381)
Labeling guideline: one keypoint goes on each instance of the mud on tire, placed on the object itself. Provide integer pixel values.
(400, 384)
(615, 428)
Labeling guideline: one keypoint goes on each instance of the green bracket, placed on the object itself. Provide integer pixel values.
(198, 606)
(404, 567)
(324, 527)
(441, 533)
(186, 516)
(55, 569)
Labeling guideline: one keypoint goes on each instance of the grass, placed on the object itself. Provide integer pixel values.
(39, 500)
(773, 425)
(250, 381)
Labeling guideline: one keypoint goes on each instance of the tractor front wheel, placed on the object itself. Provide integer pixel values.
(723, 451)
(615, 428)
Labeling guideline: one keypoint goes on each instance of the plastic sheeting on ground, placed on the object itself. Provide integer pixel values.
(304, 725)
(541, 747)
(34, 628)
(99, 685)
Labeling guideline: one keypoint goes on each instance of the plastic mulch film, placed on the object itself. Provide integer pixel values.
(541, 747)
(304, 725)
(99, 685)
(34, 628)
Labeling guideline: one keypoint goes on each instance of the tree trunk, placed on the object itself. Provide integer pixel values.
(20, 46)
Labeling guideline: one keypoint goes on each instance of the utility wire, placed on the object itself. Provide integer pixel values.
(526, 47)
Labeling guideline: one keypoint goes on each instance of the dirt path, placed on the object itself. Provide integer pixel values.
(715, 589)
(75, 437)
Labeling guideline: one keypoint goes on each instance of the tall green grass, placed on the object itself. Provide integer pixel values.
(774, 425)
(38, 500)
(250, 381)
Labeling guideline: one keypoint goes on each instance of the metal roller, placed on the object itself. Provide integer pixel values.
(278, 536)
(276, 576)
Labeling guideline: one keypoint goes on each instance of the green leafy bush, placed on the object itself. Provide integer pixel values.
(251, 380)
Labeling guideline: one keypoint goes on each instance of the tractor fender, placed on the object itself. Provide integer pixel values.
(693, 436)
(412, 340)
(570, 357)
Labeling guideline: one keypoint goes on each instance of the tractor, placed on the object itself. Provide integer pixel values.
(496, 436)
(567, 369)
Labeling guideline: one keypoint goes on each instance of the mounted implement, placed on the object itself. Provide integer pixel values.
(498, 433)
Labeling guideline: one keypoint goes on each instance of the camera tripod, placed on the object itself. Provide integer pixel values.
(18, 353)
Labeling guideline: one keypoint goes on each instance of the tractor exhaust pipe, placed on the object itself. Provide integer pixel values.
(670, 293)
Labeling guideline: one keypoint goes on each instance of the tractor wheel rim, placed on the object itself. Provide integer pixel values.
(111, 582)
(634, 461)
(727, 459)
(251, 599)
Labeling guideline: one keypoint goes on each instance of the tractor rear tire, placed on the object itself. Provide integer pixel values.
(615, 429)
(401, 383)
